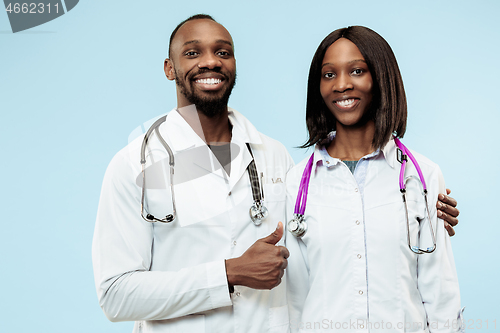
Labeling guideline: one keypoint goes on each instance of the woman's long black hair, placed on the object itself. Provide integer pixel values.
(388, 107)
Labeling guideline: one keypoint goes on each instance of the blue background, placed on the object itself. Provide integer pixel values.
(73, 90)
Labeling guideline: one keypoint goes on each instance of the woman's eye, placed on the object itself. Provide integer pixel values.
(328, 75)
(357, 71)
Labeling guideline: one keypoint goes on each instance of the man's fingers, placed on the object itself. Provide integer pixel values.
(447, 210)
(450, 210)
(284, 252)
(449, 228)
(277, 284)
(451, 220)
(447, 200)
(275, 236)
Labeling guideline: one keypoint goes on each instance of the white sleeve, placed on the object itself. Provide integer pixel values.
(437, 276)
(122, 257)
(297, 272)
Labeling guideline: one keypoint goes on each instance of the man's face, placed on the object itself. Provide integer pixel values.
(203, 65)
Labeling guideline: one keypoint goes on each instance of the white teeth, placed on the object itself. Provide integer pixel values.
(209, 81)
(346, 102)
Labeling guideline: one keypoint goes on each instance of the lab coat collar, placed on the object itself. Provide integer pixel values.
(243, 128)
(182, 136)
(388, 152)
(243, 132)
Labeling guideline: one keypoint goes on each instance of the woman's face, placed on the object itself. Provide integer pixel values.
(346, 83)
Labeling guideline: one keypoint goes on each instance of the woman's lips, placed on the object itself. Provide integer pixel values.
(347, 104)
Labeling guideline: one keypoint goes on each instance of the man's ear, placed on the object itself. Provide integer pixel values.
(168, 67)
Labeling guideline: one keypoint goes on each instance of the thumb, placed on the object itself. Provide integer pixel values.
(275, 236)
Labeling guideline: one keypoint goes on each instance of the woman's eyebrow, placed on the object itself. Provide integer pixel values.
(350, 62)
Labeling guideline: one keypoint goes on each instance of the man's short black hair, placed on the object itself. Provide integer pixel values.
(194, 17)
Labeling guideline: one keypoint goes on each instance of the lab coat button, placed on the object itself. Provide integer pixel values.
(356, 189)
(357, 222)
(234, 242)
(359, 256)
(361, 326)
(229, 193)
(361, 292)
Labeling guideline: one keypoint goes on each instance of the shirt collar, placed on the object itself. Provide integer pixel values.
(182, 136)
(322, 158)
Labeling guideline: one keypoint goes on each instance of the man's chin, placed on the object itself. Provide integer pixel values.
(212, 108)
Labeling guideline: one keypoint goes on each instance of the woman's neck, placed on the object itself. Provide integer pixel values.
(351, 142)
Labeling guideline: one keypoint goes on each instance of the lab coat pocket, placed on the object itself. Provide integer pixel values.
(278, 319)
(274, 192)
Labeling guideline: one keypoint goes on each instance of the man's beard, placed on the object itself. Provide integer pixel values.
(209, 106)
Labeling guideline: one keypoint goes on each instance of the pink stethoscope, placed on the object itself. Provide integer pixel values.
(298, 226)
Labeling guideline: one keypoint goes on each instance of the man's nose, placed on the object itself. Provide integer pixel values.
(209, 61)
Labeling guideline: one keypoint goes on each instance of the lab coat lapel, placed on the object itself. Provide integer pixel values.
(240, 162)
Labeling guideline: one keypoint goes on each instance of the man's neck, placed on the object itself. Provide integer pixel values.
(212, 130)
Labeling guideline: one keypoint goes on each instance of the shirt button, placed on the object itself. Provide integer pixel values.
(361, 292)
(359, 256)
(356, 189)
(237, 294)
(234, 242)
(357, 222)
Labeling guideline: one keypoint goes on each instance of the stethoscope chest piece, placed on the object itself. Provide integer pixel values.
(258, 212)
(297, 226)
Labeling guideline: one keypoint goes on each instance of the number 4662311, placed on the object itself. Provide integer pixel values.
(30, 8)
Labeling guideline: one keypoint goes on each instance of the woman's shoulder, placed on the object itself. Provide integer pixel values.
(424, 162)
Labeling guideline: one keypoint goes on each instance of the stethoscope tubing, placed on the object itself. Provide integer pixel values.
(258, 211)
(298, 227)
(303, 188)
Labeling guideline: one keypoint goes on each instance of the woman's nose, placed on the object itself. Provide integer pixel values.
(343, 83)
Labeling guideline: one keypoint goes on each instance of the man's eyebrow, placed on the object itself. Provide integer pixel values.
(195, 41)
(223, 41)
(350, 62)
(220, 41)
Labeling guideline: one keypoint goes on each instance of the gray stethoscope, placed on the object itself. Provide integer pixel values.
(258, 211)
(298, 226)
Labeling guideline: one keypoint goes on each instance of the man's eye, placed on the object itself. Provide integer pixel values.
(191, 53)
(223, 53)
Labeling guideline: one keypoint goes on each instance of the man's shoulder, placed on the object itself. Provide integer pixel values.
(126, 160)
(272, 144)
(246, 125)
